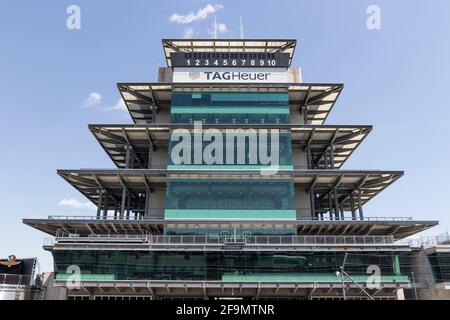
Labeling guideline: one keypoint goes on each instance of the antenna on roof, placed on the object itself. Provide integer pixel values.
(241, 25)
(215, 27)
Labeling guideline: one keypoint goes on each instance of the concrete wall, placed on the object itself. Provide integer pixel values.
(302, 204)
(159, 158)
(165, 75)
(50, 291)
(157, 201)
(296, 117)
(299, 158)
(294, 75)
(163, 116)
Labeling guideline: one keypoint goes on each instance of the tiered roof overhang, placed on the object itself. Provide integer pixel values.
(115, 138)
(228, 45)
(143, 100)
(324, 182)
(398, 228)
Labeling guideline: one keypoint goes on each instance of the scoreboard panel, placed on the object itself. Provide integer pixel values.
(230, 59)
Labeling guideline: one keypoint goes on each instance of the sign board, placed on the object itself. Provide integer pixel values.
(230, 59)
(227, 75)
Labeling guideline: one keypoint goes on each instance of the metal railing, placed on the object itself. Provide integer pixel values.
(159, 212)
(427, 242)
(220, 240)
(270, 240)
(15, 279)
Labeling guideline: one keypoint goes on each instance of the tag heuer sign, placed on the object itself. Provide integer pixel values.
(236, 75)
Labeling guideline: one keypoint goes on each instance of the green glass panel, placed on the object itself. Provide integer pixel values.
(245, 148)
(226, 265)
(230, 194)
(230, 107)
(230, 214)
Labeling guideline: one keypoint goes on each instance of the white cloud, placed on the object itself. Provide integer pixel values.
(93, 99)
(120, 105)
(188, 33)
(201, 14)
(73, 203)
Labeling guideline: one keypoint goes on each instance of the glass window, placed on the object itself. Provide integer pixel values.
(231, 265)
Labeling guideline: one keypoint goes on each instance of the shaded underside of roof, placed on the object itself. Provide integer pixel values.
(144, 100)
(116, 138)
(343, 183)
(397, 228)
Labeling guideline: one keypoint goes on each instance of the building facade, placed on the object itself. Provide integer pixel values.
(229, 184)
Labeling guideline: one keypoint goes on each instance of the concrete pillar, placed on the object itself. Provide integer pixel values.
(106, 206)
(124, 199)
(336, 205)
(330, 206)
(149, 161)
(308, 157)
(153, 114)
(330, 151)
(352, 207)
(325, 158)
(342, 212)
(313, 203)
(127, 157)
(128, 205)
(361, 215)
(147, 203)
(99, 204)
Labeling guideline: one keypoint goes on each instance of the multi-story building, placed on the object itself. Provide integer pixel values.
(229, 184)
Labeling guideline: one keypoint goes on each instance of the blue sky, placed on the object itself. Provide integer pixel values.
(395, 78)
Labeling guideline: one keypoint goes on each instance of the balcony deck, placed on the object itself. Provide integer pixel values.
(313, 287)
(394, 226)
(223, 243)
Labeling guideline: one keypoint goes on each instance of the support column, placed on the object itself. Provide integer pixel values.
(124, 199)
(127, 157)
(106, 206)
(150, 153)
(147, 202)
(308, 157)
(325, 159)
(128, 205)
(336, 205)
(352, 207)
(115, 210)
(313, 203)
(330, 151)
(100, 204)
(153, 114)
(342, 211)
(361, 215)
(330, 206)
